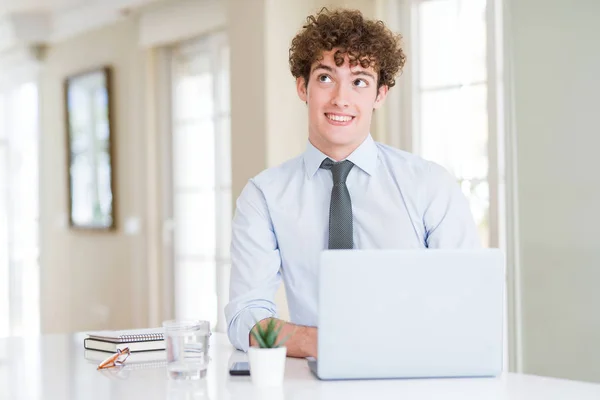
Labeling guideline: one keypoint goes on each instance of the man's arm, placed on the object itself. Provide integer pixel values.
(448, 218)
(255, 266)
(302, 340)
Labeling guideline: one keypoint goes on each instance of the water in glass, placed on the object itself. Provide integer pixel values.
(187, 348)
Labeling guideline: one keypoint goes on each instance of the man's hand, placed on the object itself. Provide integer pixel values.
(302, 342)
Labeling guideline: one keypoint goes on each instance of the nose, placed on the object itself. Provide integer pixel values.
(340, 96)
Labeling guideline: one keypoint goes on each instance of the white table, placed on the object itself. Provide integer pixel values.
(54, 367)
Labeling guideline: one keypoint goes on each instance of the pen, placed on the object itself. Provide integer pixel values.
(116, 359)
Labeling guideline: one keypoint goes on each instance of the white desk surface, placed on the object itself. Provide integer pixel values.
(54, 367)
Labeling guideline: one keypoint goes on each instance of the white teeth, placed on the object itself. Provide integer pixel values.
(339, 118)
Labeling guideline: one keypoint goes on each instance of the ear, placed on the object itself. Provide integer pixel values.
(381, 95)
(301, 88)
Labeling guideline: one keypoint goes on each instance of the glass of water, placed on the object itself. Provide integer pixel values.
(187, 348)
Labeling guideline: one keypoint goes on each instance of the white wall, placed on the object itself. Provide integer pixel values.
(287, 116)
(557, 104)
(113, 280)
(93, 280)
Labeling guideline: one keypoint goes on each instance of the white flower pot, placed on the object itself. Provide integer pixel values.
(267, 366)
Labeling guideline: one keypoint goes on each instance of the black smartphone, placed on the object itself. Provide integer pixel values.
(240, 368)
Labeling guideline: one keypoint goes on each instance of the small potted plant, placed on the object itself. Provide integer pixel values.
(267, 361)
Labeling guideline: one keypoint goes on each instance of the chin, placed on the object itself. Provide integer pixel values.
(340, 138)
(342, 143)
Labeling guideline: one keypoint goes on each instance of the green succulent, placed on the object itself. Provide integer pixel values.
(267, 337)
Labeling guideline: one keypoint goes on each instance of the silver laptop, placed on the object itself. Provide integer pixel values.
(410, 314)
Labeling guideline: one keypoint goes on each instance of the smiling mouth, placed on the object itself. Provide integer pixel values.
(339, 118)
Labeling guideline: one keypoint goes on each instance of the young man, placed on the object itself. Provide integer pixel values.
(346, 191)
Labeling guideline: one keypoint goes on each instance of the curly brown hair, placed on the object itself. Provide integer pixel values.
(365, 41)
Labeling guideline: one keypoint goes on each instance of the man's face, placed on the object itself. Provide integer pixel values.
(340, 102)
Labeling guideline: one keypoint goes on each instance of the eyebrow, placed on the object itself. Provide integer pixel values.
(355, 73)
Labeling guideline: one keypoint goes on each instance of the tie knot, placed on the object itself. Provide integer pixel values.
(339, 170)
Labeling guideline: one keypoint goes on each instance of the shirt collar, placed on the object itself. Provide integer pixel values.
(364, 157)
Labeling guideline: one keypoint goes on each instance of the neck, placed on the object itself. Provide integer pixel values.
(336, 152)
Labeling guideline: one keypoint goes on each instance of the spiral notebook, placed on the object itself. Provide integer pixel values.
(148, 339)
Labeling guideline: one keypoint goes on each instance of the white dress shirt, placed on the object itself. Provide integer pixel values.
(281, 224)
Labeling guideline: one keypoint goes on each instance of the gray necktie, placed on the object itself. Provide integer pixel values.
(340, 209)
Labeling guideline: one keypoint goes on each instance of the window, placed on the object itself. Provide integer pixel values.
(450, 100)
(19, 210)
(201, 174)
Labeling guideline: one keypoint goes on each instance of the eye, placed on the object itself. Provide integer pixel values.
(324, 78)
(360, 83)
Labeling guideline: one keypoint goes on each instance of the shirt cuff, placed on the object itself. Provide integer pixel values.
(239, 329)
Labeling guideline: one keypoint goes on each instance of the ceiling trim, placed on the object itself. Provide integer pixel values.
(23, 29)
(72, 22)
(47, 27)
(180, 20)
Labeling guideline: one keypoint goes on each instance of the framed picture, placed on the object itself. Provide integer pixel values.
(90, 153)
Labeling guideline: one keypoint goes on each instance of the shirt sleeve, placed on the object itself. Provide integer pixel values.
(255, 266)
(448, 219)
